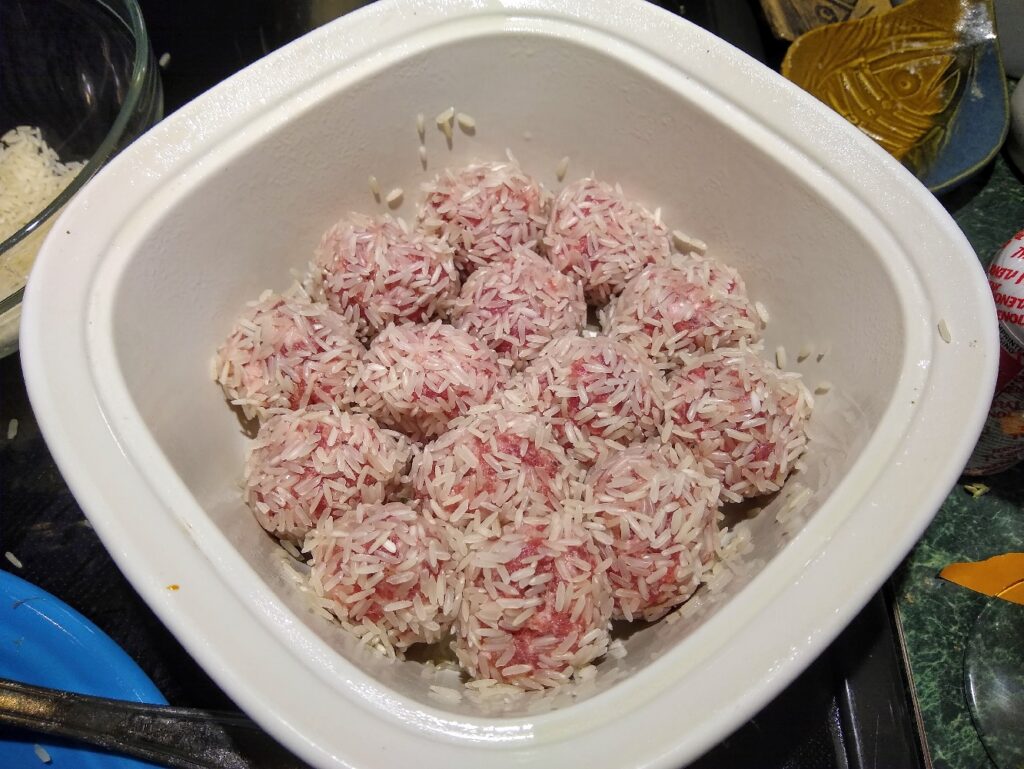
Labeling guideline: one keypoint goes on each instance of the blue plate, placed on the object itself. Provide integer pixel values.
(44, 641)
(978, 128)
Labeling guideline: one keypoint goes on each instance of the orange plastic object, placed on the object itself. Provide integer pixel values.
(1001, 576)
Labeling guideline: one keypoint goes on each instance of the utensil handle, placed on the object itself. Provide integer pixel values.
(183, 738)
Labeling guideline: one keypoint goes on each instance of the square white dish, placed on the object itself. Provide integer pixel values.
(146, 270)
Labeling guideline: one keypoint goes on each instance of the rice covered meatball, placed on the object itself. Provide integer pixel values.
(657, 514)
(535, 606)
(742, 416)
(494, 466)
(321, 461)
(376, 270)
(519, 304)
(416, 378)
(689, 306)
(387, 572)
(287, 352)
(599, 394)
(602, 237)
(484, 211)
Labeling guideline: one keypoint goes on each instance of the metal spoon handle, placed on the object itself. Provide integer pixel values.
(183, 738)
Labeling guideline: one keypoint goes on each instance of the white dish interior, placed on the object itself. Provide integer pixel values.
(232, 193)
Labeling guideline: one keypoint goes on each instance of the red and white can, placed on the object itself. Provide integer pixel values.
(1001, 445)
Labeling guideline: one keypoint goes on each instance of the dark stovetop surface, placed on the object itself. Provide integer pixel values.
(851, 709)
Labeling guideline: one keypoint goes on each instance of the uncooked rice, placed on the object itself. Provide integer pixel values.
(762, 312)
(417, 378)
(13, 559)
(742, 416)
(562, 168)
(287, 352)
(504, 630)
(484, 211)
(687, 244)
(388, 568)
(12, 429)
(491, 535)
(781, 359)
(31, 176)
(42, 753)
(689, 305)
(377, 270)
(318, 461)
(598, 394)
(518, 305)
(444, 123)
(491, 467)
(654, 516)
(602, 237)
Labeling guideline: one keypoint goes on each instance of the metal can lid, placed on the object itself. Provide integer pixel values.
(1006, 278)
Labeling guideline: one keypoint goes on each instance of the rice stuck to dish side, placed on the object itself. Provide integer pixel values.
(387, 572)
(599, 394)
(376, 270)
(690, 305)
(518, 305)
(320, 461)
(484, 211)
(536, 604)
(602, 237)
(743, 416)
(491, 476)
(657, 522)
(494, 466)
(287, 352)
(417, 378)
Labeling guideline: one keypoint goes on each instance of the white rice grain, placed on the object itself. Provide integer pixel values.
(374, 187)
(466, 123)
(762, 312)
(562, 168)
(446, 694)
(444, 122)
(15, 562)
(12, 429)
(31, 176)
(781, 359)
(944, 331)
(688, 244)
(394, 198)
(42, 753)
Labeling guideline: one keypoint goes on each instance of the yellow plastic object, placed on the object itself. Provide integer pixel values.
(897, 76)
(1001, 576)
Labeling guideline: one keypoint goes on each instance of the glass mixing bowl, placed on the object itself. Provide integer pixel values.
(83, 72)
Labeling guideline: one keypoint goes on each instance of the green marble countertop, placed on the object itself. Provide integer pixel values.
(937, 616)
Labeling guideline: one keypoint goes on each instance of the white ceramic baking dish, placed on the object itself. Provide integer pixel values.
(147, 268)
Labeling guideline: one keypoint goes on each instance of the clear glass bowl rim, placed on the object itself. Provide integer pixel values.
(141, 69)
